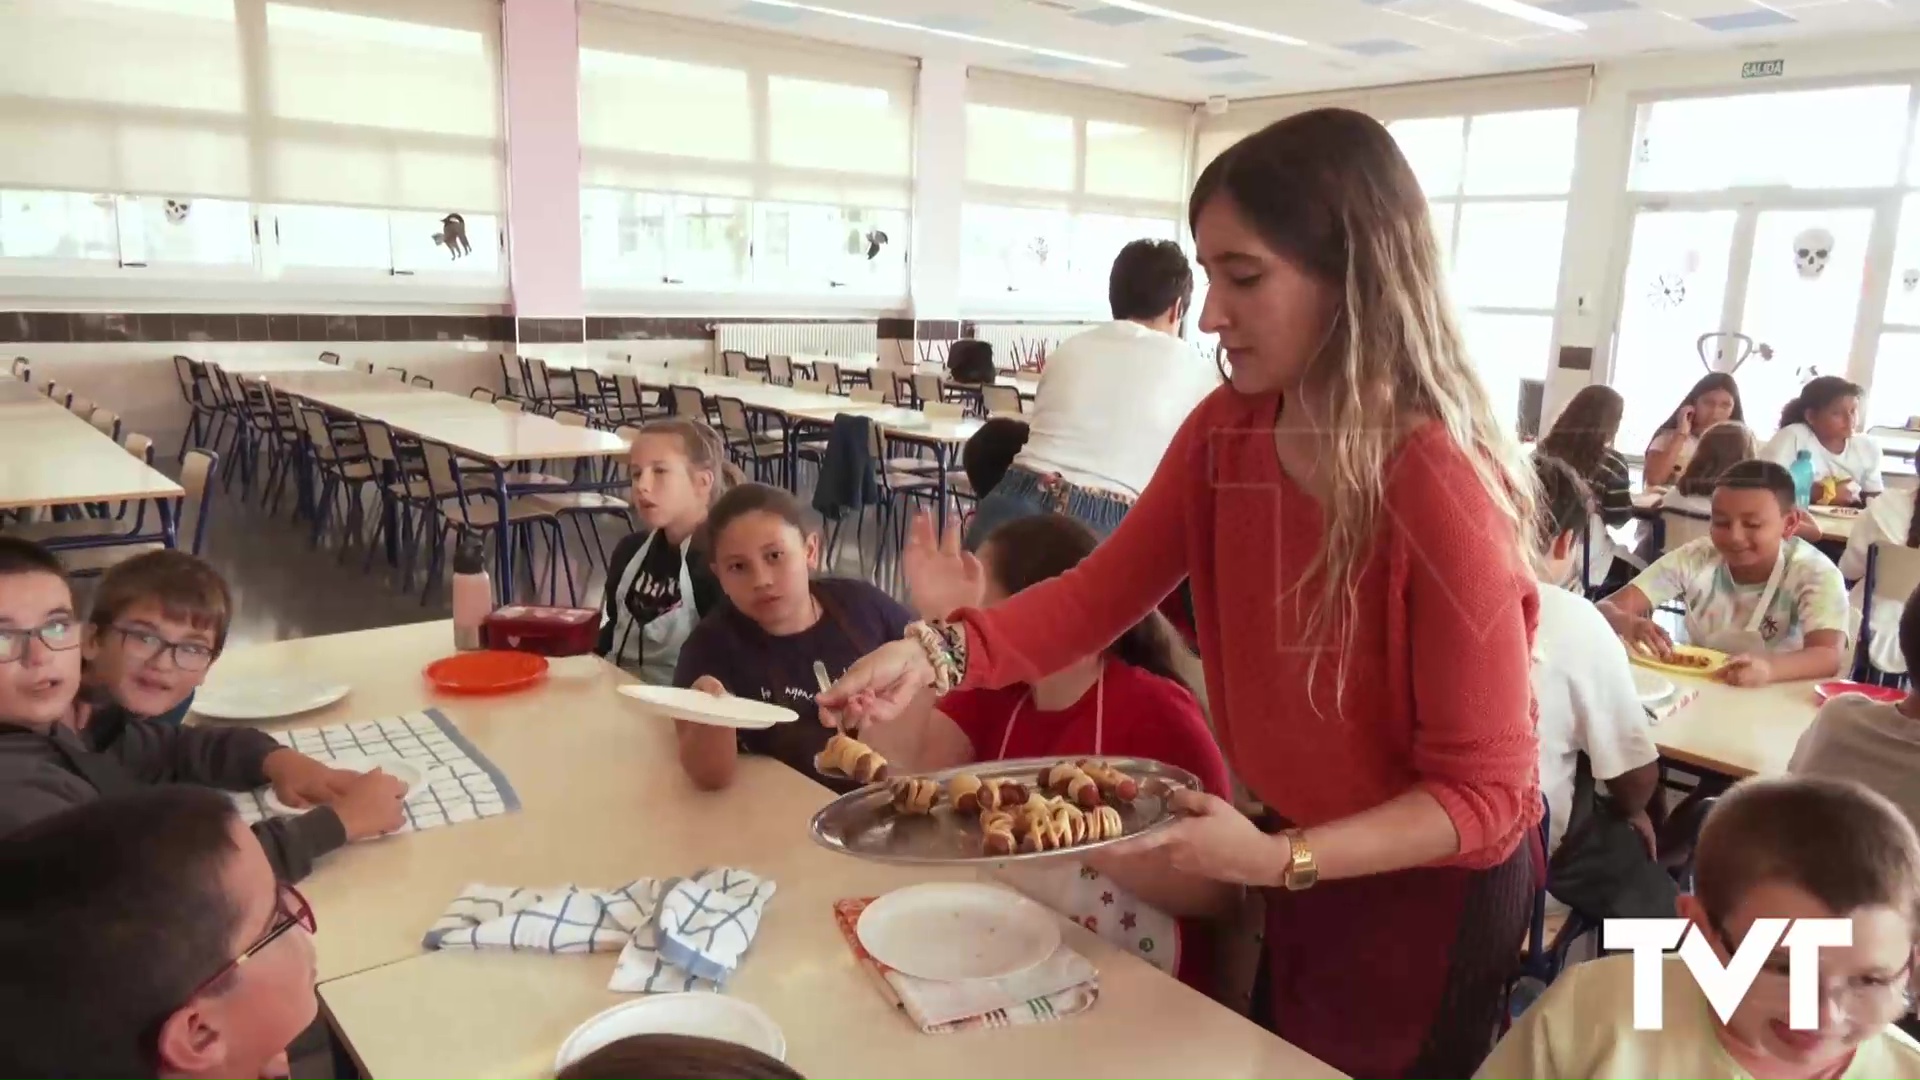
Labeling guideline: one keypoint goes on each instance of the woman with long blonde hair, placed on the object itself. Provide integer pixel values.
(1357, 529)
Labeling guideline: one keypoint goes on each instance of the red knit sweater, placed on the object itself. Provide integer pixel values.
(1436, 689)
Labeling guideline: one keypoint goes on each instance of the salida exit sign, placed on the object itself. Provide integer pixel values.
(1763, 69)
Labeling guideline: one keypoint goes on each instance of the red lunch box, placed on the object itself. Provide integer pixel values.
(546, 631)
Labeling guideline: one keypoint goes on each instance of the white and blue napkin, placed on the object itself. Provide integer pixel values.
(673, 934)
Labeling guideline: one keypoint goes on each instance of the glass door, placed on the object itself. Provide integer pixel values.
(1675, 291)
(1769, 293)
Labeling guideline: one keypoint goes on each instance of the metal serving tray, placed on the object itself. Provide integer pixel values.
(864, 823)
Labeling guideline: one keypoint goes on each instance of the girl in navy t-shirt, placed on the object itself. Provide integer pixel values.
(777, 621)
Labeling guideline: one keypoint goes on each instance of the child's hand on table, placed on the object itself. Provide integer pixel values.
(301, 781)
(373, 804)
(1747, 670)
(1644, 636)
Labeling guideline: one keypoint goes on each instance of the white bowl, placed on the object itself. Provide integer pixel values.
(705, 1014)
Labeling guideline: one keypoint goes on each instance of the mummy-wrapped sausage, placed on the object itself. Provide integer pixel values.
(963, 792)
(912, 795)
(1103, 823)
(996, 833)
(851, 758)
(1115, 785)
(1071, 783)
(1002, 795)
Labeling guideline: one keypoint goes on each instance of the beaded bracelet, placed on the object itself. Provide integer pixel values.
(945, 647)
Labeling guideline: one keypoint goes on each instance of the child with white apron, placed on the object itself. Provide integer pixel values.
(658, 582)
(1085, 895)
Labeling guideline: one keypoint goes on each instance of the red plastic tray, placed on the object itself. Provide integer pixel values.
(489, 671)
(1836, 687)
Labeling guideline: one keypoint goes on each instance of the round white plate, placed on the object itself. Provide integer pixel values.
(399, 768)
(1651, 686)
(264, 699)
(704, 708)
(956, 932)
(708, 1015)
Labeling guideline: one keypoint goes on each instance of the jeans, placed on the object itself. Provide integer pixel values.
(1020, 493)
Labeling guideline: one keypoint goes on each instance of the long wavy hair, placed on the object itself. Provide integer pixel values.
(1711, 381)
(1585, 429)
(1722, 446)
(1329, 190)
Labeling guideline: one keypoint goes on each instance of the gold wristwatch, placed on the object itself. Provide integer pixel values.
(1302, 871)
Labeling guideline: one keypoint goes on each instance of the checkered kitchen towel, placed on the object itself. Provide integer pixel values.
(672, 933)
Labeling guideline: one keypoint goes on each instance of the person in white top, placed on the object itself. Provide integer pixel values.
(1713, 400)
(1875, 742)
(1588, 703)
(1109, 401)
(1889, 519)
(1821, 421)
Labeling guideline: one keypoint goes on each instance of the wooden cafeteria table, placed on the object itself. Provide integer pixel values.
(50, 457)
(603, 801)
(472, 428)
(1734, 731)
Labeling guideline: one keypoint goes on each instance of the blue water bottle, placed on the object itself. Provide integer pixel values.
(1802, 470)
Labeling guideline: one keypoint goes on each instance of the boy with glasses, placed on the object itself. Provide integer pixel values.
(158, 622)
(147, 935)
(1787, 848)
(56, 753)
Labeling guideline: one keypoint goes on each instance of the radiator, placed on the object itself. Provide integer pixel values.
(1022, 344)
(849, 339)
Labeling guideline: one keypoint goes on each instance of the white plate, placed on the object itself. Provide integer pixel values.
(708, 1015)
(264, 699)
(956, 932)
(399, 768)
(1650, 686)
(704, 708)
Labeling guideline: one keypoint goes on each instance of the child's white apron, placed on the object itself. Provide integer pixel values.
(1735, 641)
(1084, 894)
(656, 648)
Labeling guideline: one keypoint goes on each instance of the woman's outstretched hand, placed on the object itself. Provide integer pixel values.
(878, 687)
(941, 577)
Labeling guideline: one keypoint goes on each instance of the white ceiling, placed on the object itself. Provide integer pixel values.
(1348, 42)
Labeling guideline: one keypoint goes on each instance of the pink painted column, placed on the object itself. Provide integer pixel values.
(540, 47)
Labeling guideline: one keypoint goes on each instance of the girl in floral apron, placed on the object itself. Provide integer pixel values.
(1127, 702)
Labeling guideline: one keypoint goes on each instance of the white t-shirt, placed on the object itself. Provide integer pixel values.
(1109, 402)
(1587, 702)
(1858, 461)
(1853, 737)
(1885, 522)
(1811, 595)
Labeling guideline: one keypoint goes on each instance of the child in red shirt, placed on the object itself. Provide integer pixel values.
(1126, 702)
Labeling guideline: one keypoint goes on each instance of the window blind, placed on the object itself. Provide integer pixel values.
(1533, 90)
(1036, 143)
(386, 103)
(675, 106)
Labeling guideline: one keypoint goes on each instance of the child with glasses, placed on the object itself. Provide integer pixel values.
(158, 622)
(147, 935)
(57, 751)
(1787, 848)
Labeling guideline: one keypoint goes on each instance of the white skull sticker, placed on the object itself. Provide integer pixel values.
(1811, 249)
(1910, 280)
(177, 210)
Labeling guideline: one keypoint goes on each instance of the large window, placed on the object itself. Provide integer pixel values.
(1497, 186)
(1893, 399)
(1057, 180)
(782, 168)
(212, 136)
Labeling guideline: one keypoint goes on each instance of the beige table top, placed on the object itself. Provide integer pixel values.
(475, 428)
(49, 456)
(1832, 528)
(603, 801)
(1737, 731)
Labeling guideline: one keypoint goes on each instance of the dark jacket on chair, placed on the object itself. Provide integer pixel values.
(846, 473)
